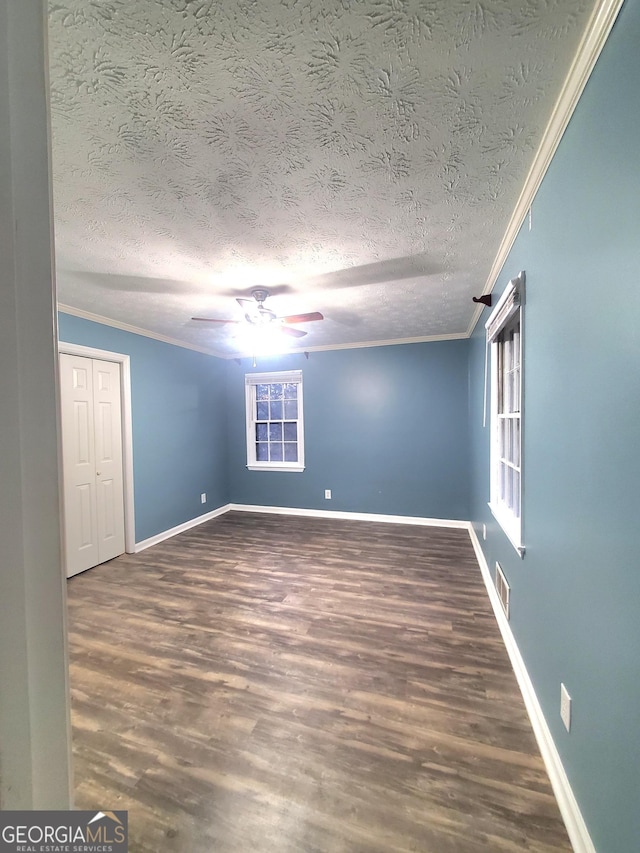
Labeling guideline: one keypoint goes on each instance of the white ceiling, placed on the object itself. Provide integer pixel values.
(361, 159)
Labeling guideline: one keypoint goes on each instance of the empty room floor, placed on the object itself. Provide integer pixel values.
(301, 685)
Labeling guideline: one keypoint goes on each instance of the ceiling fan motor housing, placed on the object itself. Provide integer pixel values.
(260, 294)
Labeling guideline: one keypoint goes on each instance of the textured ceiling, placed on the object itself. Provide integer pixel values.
(361, 159)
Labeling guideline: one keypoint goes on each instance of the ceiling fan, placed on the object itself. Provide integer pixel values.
(258, 315)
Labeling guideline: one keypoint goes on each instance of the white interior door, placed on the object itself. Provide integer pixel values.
(92, 461)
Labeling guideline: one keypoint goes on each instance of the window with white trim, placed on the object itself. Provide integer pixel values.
(275, 433)
(504, 336)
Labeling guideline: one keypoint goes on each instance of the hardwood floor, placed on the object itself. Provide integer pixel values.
(298, 685)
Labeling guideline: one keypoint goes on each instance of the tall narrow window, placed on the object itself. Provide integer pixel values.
(275, 436)
(505, 339)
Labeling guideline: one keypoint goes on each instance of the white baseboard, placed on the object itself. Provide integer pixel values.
(351, 516)
(569, 809)
(314, 513)
(187, 525)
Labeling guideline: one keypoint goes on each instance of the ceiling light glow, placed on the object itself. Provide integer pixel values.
(262, 339)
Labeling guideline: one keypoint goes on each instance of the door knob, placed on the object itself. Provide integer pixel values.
(97, 473)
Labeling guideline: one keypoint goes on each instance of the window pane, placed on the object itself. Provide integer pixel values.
(502, 402)
(262, 432)
(262, 452)
(512, 478)
(275, 432)
(275, 413)
(290, 391)
(276, 391)
(507, 485)
(502, 438)
(262, 392)
(509, 489)
(290, 452)
(291, 409)
(262, 411)
(291, 432)
(275, 452)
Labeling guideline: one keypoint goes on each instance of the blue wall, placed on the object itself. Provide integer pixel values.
(179, 424)
(385, 430)
(575, 609)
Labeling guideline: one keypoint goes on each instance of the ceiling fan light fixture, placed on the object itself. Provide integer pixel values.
(263, 339)
(260, 317)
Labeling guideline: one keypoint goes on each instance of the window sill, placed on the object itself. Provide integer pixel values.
(270, 467)
(511, 531)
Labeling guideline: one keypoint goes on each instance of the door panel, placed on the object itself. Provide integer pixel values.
(108, 442)
(83, 428)
(104, 433)
(86, 521)
(108, 527)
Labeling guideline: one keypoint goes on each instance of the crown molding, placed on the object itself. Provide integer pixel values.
(600, 24)
(329, 347)
(135, 330)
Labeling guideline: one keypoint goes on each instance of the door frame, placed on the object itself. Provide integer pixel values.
(127, 430)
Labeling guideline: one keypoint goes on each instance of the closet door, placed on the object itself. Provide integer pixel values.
(92, 461)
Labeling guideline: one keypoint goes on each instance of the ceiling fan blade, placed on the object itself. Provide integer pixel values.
(302, 318)
(295, 333)
(242, 301)
(213, 320)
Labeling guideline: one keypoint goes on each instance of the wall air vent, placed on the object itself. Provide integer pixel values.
(503, 589)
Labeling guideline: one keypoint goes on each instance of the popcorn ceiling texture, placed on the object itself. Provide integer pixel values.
(360, 158)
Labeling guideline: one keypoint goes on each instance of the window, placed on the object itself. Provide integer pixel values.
(275, 437)
(504, 338)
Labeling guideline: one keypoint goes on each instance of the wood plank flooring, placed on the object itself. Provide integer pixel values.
(296, 685)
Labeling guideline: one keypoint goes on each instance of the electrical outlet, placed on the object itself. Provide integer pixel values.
(484, 531)
(327, 494)
(565, 707)
(203, 498)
